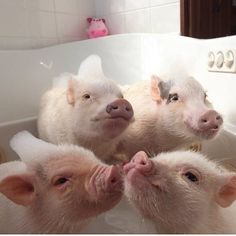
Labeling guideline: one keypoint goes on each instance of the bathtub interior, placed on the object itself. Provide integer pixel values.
(25, 75)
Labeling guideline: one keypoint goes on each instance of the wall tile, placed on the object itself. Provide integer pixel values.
(115, 23)
(137, 21)
(78, 7)
(38, 23)
(162, 2)
(42, 24)
(134, 4)
(13, 22)
(43, 5)
(12, 3)
(71, 26)
(162, 22)
(114, 6)
(15, 43)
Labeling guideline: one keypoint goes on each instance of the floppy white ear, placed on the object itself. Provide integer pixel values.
(91, 67)
(29, 147)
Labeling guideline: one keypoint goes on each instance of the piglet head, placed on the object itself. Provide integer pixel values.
(70, 182)
(97, 105)
(178, 189)
(185, 110)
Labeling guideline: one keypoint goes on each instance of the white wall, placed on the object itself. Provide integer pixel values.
(28, 24)
(140, 16)
(37, 23)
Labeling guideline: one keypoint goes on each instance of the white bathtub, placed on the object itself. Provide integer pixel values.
(25, 75)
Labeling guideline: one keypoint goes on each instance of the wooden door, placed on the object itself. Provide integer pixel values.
(207, 18)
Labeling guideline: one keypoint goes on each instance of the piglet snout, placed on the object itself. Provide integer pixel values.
(211, 120)
(139, 162)
(120, 108)
(113, 178)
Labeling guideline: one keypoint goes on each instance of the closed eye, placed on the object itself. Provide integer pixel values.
(61, 181)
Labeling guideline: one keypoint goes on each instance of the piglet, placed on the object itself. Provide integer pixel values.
(54, 189)
(87, 110)
(182, 192)
(170, 112)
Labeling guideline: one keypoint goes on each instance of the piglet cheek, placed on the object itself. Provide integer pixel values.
(154, 181)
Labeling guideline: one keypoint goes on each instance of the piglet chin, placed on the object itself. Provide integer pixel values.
(203, 134)
(115, 126)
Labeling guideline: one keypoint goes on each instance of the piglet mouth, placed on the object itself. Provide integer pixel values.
(208, 133)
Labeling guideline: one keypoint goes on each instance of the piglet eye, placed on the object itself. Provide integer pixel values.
(86, 96)
(60, 181)
(173, 97)
(192, 177)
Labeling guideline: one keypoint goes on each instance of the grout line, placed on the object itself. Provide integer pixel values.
(56, 25)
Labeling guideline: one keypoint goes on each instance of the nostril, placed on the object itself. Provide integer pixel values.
(113, 180)
(216, 127)
(127, 109)
(143, 162)
(204, 120)
(114, 107)
(218, 118)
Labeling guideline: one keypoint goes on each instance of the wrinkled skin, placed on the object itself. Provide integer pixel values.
(58, 192)
(181, 192)
(169, 114)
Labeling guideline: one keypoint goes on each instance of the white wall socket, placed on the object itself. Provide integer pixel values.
(222, 61)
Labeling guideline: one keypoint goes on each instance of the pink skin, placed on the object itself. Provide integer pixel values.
(70, 182)
(205, 125)
(181, 192)
(105, 180)
(97, 28)
(139, 165)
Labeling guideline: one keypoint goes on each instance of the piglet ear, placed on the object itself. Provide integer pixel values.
(91, 68)
(155, 90)
(226, 195)
(89, 19)
(18, 188)
(30, 148)
(70, 93)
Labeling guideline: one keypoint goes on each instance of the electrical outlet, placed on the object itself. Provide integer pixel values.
(222, 61)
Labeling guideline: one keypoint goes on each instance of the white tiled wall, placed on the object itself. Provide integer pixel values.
(28, 24)
(138, 16)
(37, 23)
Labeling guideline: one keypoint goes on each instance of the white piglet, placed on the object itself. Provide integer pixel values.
(169, 113)
(89, 111)
(55, 189)
(182, 192)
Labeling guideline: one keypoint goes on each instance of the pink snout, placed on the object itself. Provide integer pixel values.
(139, 162)
(120, 108)
(113, 178)
(211, 120)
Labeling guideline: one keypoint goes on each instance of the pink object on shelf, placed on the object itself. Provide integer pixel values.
(97, 28)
